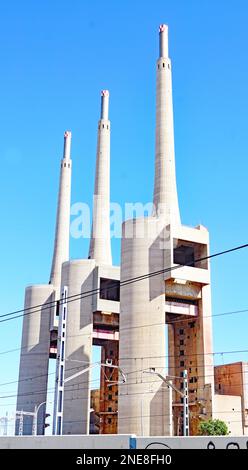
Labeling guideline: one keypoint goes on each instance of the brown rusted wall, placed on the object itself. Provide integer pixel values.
(109, 394)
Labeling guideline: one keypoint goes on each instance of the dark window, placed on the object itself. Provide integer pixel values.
(109, 289)
(181, 374)
(181, 352)
(110, 388)
(181, 331)
(181, 385)
(109, 408)
(181, 300)
(116, 394)
(184, 255)
(110, 397)
(59, 425)
(192, 324)
(109, 420)
(62, 350)
(190, 370)
(219, 386)
(57, 308)
(181, 342)
(111, 352)
(163, 65)
(61, 375)
(60, 402)
(181, 400)
(191, 380)
(181, 363)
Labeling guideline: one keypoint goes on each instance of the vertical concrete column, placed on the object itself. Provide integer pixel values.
(142, 408)
(100, 244)
(78, 276)
(62, 232)
(165, 191)
(32, 386)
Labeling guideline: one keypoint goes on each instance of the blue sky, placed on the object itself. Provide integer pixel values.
(55, 57)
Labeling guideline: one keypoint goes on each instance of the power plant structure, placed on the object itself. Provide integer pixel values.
(151, 316)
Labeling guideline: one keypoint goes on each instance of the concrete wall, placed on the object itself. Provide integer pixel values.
(232, 379)
(228, 409)
(123, 442)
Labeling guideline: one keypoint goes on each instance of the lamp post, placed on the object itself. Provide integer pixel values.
(35, 419)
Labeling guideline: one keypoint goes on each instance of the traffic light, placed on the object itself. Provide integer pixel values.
(46, 424)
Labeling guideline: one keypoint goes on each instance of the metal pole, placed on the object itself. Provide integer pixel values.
(60, 372)
(185, 404)
(34, 427)
(21, 424)
(35, 419)
(5, 432)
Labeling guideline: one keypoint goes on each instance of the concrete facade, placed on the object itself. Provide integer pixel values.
(161, 324)
(169, 297)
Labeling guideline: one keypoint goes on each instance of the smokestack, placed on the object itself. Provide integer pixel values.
(67, 145)
(62, 232)
(163, 40)
(165, 191)
(100, 245)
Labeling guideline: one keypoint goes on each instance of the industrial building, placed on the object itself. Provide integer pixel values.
(160, 324)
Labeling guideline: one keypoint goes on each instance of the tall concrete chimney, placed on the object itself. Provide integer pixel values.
(100, 245)
(165, 191)
(62, 232)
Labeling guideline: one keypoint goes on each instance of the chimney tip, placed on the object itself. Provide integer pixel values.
(104, 93)
(67, 134)
(162, 28)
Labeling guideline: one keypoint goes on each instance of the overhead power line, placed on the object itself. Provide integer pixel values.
(127, 373)
(82, 295)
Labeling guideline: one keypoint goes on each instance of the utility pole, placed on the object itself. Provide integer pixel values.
(60, 372)
(20, 432)
(4, 420)
(34, 427)
(185, 404)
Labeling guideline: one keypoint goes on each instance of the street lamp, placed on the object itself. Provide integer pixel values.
(35, 418)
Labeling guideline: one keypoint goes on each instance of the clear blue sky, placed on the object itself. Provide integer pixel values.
(55, 57)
